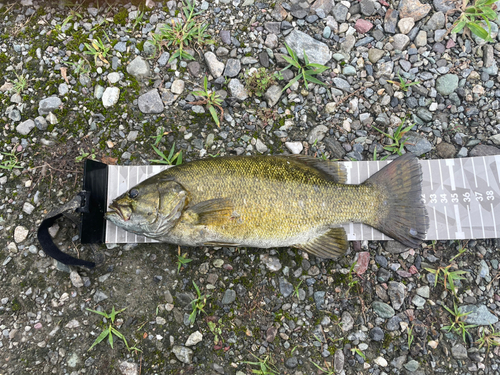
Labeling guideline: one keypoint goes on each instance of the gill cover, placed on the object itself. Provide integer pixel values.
(151, 208)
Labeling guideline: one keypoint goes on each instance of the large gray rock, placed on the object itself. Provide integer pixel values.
(237, 89)
(447, 84)
(48, 105)
(478, 315)
(215, 66)
(25, 127)
(316, 51)
(110, 96)
(139, 68)
(150, 102)
(272, 95)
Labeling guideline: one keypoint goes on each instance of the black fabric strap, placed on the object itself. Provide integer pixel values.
(77, 204)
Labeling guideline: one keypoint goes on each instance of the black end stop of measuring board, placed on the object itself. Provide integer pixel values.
(95, 182)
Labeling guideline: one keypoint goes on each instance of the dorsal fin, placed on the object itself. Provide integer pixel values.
(331, 171)
(331, 244)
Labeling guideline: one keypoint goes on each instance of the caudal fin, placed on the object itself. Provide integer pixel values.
(403, 216)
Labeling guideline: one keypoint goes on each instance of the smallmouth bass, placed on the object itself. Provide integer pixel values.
(273, 201)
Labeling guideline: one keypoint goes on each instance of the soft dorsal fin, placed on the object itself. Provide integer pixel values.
(213, 212)
(331, 244)
(331, 171)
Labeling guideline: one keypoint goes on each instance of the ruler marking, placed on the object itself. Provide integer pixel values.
(435, 222)
(474, 171)
(441, 175)
(486, 172)
(450, 163)
(348, 167)
(497, 162)
(459, 233)
(470, 223)
(447, 226)
(430, 173)
(482, 222)
(494, 220)
(462, 170)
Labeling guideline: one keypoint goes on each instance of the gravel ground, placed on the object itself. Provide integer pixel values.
(284, 310)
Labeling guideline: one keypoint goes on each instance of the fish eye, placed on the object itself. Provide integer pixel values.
(133, 193)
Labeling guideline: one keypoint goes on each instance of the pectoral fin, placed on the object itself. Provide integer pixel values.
(212, 212)
(331, 244)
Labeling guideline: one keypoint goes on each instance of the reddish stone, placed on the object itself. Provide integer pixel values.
(362, 263)
(450, 43)
(363, 26)
(413, 270)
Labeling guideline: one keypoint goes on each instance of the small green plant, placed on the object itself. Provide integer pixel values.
(138, 20)
(399, 142)
(411, 337)
(457, 325)
(403, 84)
(296, 287)
(9, 161)
(264, 367)
(461, 250)
(448, 277)
(97, 49)
(306, 71)
(216, 330)
(259, 81)
(358, 352)
(20, 83)
(182, 34)
(80, 67)
(182, 260)
(198, 304)
(472, 16)
(160, 133)
(85, 155)
(211, 99)
(111, 330)
(488, 338)
(172, 159)
(327, 370)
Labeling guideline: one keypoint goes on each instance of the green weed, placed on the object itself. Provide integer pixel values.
(97, 49)
(327, 370)
(9, 161)
(264, 367)
(84, 155)
(182, 260)
(259, 81)
(399, 142)
(182, 34)
(457, 325)
(20, 84)
(306, 71)
(488, 338)
(198, 304)
(448, 277)
(211, 100)
(172, 158)
(472, 16)
(111, 330)
(403, 84)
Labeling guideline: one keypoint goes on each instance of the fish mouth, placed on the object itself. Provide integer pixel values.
(115, 209)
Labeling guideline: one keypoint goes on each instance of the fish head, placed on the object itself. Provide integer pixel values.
(151, 208)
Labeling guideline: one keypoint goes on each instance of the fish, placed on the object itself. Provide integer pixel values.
(273, 201)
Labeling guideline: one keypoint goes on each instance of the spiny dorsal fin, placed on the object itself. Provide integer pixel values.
(332, 171)
(331, 244)
(213, 212)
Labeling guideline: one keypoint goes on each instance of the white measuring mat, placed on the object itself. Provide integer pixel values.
(461, 195)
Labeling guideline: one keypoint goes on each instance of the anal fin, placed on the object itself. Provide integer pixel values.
(213, 212)
(331, 244)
